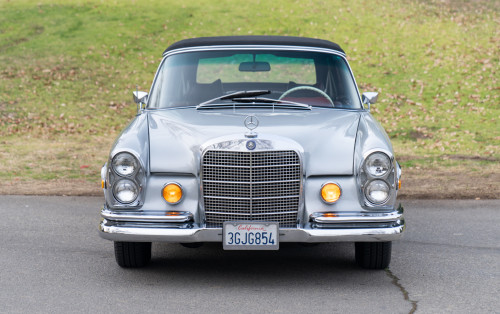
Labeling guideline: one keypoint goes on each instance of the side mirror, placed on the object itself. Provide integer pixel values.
(140, 98)
(369, 98)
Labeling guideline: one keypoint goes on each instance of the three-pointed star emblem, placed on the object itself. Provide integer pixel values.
(251, 122)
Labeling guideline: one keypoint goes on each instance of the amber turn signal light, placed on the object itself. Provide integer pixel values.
(172, 193)
(329, 215)
(330, 192)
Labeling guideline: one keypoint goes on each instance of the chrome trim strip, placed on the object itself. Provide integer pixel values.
(254, 47)
(141, 216)
(350, 217)
(139, 233)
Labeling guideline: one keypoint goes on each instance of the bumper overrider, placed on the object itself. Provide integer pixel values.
(179, 227)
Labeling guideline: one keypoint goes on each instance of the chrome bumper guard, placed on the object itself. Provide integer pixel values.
(339, 227)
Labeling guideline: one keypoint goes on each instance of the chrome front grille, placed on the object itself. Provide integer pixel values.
(251, 186)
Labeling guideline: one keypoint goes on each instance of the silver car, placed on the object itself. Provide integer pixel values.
(252, 141)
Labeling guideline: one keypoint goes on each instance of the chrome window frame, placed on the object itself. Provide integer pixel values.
(256, 47)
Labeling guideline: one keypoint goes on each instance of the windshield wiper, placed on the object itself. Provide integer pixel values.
(250, 97)
(275, 102)
(239, 94)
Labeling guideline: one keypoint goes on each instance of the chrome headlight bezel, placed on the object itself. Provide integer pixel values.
(388, 176)
(113, 177)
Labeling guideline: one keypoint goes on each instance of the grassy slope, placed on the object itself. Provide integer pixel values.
(67, 69)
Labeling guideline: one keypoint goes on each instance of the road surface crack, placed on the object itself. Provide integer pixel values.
(406, 295)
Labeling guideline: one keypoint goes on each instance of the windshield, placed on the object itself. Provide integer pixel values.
(312, 78)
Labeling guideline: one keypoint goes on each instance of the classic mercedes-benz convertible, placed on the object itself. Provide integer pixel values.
(251, 141)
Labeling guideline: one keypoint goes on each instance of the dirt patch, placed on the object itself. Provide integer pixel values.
(419, 135)
(463, 6)
(403, 158)
(449, 184)
(416, 184)
(66, 187)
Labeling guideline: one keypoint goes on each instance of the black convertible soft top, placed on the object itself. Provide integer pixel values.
(254, 40)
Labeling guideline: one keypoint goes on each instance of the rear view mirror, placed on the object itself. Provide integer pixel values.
(255, 67)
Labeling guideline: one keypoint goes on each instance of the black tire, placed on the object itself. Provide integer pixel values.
(373, 255)
(192, 245)
(132, 254)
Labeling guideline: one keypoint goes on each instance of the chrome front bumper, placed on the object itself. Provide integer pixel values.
(354, 227)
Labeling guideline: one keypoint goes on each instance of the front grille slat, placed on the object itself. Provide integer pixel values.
(251, 186)
(253, 198)
(261, 166)
(254, 182)
(247, 215)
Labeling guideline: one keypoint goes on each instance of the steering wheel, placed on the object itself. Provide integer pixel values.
(314, 89)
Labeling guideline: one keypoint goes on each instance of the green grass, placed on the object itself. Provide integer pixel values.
(67, 69)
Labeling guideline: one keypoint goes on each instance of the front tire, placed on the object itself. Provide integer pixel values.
(132, 254)
(373, 255)
(192, 245)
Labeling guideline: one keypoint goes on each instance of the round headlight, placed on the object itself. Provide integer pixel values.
(377, 191)
(125, 191)
(377, 164)
(125, 164)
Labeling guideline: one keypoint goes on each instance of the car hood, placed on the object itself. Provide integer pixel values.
(327, 136)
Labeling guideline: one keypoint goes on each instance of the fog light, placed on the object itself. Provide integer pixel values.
(172, 193)
(330, 192)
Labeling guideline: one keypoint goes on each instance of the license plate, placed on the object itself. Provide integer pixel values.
(250, 236)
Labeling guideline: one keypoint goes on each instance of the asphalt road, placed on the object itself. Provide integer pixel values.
(52, 260)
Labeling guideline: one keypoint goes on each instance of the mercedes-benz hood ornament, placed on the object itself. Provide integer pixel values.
(251, 123)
